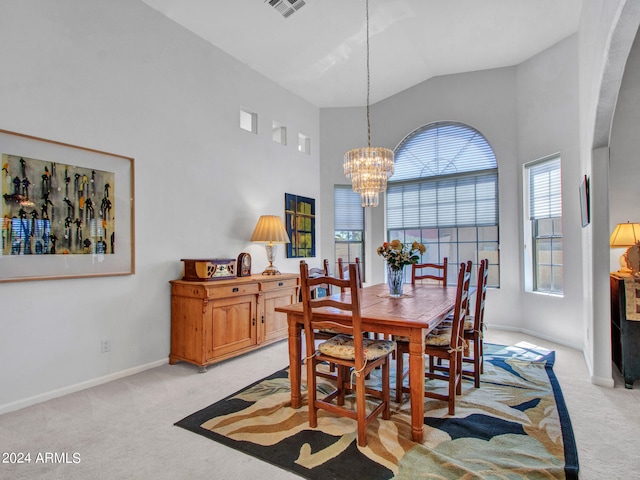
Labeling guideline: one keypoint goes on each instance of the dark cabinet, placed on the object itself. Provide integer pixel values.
(625, 333)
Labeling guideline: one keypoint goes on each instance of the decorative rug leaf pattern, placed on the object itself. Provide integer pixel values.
(514, 426)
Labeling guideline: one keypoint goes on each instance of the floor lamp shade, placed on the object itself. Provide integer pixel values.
(270, 230)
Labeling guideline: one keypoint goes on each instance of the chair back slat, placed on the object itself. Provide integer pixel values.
(440, 274)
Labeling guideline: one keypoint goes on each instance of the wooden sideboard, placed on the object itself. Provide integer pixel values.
(215, 320)
(625, 334)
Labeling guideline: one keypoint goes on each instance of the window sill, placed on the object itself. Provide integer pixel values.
(546, 294)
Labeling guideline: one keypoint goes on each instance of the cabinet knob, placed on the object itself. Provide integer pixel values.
(253, 322)
(235, 290)
(280, 284)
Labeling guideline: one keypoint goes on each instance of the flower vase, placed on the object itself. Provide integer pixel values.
(395, 279)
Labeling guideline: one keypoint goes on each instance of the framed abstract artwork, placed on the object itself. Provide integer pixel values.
(300, 218)
(67, 211)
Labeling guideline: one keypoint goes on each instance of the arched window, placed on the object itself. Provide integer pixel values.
(444, 193)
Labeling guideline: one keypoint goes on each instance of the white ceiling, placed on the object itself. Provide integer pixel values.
(319, 52)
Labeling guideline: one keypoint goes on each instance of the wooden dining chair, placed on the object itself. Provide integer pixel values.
(343, 270)
(435, 272)
(474, 327)
(324, 334)
(444, 344)
(354, 355)
(320, 272)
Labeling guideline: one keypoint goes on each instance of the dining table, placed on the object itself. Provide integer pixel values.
(420, 309)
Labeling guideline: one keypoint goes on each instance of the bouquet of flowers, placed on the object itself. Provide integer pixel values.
(398, 254)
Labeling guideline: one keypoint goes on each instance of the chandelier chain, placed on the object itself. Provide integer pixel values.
(368, 168)
(368, 80)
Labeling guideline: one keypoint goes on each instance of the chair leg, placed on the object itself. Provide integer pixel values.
(341, 377)
(453, 370)
(362, 412)
(458, 373)
(311, 393)
(477, 363)
(386, 393)
(399, 373)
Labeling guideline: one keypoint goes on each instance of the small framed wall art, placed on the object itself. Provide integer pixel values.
(585, 210)
(300, 216)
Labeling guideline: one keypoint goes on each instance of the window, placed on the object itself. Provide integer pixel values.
(304, 144)
(444, 193)
(349, 226)
(248, 120)
(543, 228)
(279, 133)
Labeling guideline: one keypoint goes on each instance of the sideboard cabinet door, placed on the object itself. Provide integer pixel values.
(277, 294)
(230, 325)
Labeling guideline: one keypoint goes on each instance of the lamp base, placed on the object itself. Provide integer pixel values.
(271, 270)
(271, 256)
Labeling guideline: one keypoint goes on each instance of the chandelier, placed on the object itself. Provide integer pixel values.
(368, 167)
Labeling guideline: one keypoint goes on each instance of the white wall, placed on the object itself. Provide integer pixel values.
(118, 76)
(607, 30)
(624, 175)
(548, 124)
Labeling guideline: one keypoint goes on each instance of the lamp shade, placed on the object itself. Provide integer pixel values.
(625, 235)
(270, 229)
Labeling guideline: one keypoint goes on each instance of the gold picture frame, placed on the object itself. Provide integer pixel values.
(66, 211)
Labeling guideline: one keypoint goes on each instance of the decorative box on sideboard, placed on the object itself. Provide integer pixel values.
(214, 321)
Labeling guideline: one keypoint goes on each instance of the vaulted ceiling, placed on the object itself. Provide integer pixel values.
(319, 51)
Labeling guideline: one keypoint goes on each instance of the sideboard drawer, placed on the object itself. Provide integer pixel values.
(276, 284)
(219, 291)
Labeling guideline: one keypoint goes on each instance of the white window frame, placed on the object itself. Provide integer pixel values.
(531, 283)
(349, 223)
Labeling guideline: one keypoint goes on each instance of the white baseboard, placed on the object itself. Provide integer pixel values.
(603, 382)
(532, 333)
(43, 397)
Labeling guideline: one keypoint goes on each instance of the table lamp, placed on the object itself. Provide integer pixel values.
(270, 230)
(625, 235)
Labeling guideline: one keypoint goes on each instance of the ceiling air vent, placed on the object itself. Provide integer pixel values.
(286, 7)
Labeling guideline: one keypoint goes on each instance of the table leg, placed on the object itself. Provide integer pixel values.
(416, 384)
(294, 360)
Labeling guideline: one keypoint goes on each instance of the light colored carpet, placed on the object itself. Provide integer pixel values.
(124, 429)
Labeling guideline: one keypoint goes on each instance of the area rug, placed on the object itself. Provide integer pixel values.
(515, 426)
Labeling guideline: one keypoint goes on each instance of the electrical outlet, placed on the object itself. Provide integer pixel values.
(105, 345)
